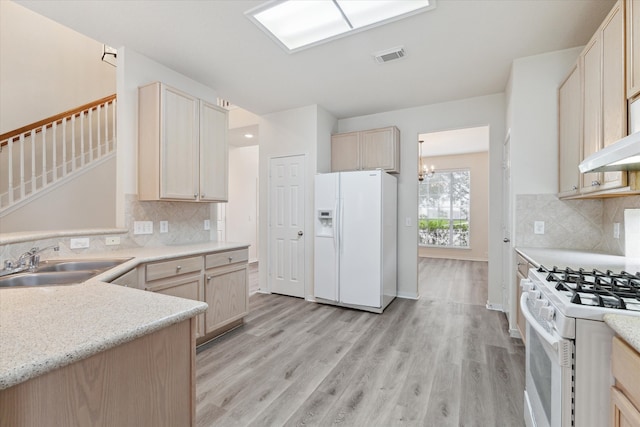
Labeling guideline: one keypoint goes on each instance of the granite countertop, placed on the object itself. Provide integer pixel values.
(48, 327)
(579, 259)
(627, 327)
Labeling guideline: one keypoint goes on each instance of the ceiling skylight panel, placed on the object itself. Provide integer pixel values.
(299, 23)
(362, 13)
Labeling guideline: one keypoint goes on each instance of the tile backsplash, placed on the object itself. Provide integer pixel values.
(186, 225)
(572, 224)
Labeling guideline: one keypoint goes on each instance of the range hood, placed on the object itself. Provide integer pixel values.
(623, 155)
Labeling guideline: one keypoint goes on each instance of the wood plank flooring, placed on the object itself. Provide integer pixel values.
(444, 360)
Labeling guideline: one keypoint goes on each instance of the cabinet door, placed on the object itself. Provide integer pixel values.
(213, 153)
(380, 149)
(189, 288)
(345, 152)
(179, 145)
(592, 109)
(614, 102)
(623, 413)
(227, 295)
(633, 47)
(570, 112)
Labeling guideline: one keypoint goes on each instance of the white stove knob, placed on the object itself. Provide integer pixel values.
(547, 313)
(538, 304)
(533, 295)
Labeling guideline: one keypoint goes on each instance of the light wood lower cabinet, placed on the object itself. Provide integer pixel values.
(522, 272)
(218, 278)
(625, 394)
(146, 382)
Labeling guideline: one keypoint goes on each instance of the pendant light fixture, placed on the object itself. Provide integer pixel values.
(423, 170)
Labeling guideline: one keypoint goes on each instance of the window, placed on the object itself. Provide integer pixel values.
(443, 209)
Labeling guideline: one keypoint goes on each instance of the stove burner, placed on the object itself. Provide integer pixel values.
(596, 288)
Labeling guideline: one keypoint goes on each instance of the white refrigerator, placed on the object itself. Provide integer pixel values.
(355, 245)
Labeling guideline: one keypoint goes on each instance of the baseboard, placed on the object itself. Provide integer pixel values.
(408, 296)
(495, 307)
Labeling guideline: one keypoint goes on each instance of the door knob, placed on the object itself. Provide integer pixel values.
(506, 240)
(300, 233)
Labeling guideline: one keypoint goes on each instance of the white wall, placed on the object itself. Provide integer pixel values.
(83, 201)
(135, 70)
(46, 68)
(480, 111)
(306, 131)
(533, 123)
(242, 208)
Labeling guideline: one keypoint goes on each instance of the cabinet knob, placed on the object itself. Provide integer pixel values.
(230, 258)
(178, 268)
(209, 278)
(595, 183)
(195, 195)
(575, 187)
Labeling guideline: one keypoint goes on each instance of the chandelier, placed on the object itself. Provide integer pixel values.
(423, 170)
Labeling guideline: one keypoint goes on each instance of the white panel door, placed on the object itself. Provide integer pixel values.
(286, 225)
(360, 238)
(325, 240)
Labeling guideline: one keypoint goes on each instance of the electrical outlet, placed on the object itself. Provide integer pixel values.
(111, 241)
(143, 227)
(164, 226)
(207, 224)
(79, 243)
(538, 227)
(616, 230)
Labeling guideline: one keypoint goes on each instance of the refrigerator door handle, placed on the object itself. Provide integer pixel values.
(336, 224)
(340, 227)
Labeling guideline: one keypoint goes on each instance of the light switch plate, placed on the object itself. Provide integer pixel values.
(164, 226)
(616, 230)
(407, 221)
(143, 227)
(79, 243)
(207, 224)
(538, 227)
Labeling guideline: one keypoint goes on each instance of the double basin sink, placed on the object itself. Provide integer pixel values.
(60, 272)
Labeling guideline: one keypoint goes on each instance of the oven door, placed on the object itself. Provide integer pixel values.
(548, 387)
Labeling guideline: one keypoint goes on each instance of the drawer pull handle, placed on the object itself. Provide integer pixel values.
(230, 258)
(178, 268)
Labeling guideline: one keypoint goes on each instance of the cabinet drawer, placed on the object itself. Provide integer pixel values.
(225, 258)
(625, 366)
(523, 266)
(175, 267)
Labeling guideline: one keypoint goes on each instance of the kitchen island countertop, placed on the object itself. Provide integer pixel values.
(47, 327)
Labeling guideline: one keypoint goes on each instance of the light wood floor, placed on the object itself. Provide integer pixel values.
(444, 360)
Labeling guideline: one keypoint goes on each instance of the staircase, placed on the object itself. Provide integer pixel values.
(42, 155)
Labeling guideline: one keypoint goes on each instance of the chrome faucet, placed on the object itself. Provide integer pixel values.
(28, 260)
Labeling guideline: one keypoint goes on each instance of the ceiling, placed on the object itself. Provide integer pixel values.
(456, 141)
(461, 49)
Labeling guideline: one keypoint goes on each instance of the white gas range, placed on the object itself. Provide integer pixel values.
(569, 346)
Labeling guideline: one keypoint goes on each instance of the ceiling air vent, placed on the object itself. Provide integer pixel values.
(389, 54)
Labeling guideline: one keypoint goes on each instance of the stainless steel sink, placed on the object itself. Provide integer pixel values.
(44, 279)
(61, 272)
(79, 265)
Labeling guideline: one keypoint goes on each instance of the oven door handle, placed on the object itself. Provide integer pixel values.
(550, 339)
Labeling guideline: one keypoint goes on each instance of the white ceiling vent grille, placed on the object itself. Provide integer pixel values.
(390, 54)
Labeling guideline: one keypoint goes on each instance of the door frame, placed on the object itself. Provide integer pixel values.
(308, 252)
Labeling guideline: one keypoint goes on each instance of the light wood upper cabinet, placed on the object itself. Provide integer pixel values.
(604, 113)
(366, 150)
(182, 146)
(569, 128)
(633, 47)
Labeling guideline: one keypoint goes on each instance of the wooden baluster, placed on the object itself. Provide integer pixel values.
(90, 135)
(64, 147)
(73, 143)
(44, 156)
(22, 189)
(10, 170)
(54, 153)
(81, 139)
(33, 161)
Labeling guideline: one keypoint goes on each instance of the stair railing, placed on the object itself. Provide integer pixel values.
(37, 155)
